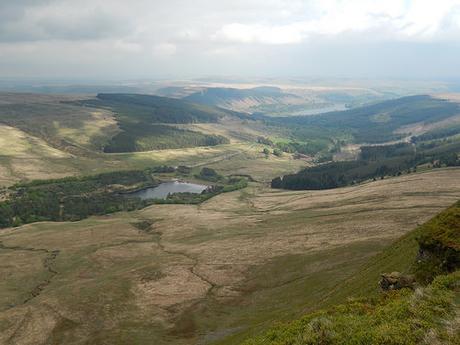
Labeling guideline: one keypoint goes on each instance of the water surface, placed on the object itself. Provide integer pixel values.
(162, 190)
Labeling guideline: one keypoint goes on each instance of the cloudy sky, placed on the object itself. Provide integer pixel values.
(119, 39)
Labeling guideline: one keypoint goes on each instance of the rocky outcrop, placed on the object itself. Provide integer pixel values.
(396, 281)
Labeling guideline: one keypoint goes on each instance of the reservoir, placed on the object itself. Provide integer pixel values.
(161, 191)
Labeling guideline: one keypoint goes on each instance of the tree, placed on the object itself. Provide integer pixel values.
(277, 152)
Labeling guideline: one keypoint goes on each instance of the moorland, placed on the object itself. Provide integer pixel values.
(302, 213)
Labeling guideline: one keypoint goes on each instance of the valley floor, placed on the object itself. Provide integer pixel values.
(201, 274)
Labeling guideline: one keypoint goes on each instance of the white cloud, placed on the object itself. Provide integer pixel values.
(209, 36)
(396, 20)
(286, 34)
(164, 50)
(129, 47)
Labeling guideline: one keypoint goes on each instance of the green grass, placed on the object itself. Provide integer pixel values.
(398, 318)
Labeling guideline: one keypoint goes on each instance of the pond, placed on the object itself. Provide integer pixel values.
(162, 190)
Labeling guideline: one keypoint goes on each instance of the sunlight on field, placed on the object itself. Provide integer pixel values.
(27, 157)
(14, 142)
(94, 132)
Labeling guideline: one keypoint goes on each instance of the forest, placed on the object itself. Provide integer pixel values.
(146, 122)
(76, 198)
(375, 162)
(375, 123)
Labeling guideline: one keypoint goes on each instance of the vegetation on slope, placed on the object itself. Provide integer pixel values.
(62, 125)
(137, 137)
(398, 318)
(143, 122)
(377, 123)
(76, 198)
(215, 95)
(424, 316)
(155, 109)
(437, 133)
(439, 245)
(374, 162)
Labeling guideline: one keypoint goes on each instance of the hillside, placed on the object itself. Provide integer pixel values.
(53, 119)
(376, 162)
(379, 122)
(215, 272)
(110, 122)
(423, 316)
(155, 109)
(145, 122)
(249, 100)
(283, 98)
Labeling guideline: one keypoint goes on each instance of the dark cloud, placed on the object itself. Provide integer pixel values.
(51, 19)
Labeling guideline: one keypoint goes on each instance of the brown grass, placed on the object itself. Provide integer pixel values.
(231, 263)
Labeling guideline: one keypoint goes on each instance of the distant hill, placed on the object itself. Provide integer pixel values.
(146, 122)
(247, 100)
(215, 96)
(111, 122)
(156, 109)
(378, 122)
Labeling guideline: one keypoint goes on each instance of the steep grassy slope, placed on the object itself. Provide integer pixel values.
(62, 125)
(426, 316)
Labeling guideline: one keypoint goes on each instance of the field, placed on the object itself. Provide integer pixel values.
(219, 271)
(216, 272)
(44, 138)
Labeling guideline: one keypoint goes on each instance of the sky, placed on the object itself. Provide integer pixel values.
(140, 39)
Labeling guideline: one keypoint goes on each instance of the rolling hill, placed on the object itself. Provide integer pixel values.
(155, 109)
(379, 122)
(146, 122)
(111, 122)
(423, 316)
(217, 272)
(271, 100)
(244, 99)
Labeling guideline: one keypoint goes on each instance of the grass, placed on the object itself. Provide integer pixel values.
(215, 272)
(400, 318)
(396, 318)
(43, 138)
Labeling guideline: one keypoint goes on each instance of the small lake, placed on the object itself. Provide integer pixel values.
(162, 190)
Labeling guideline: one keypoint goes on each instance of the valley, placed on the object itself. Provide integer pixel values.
(229, 172)
(214, 268)
(202, 273)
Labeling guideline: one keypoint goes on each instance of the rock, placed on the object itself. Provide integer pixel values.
(396, 281)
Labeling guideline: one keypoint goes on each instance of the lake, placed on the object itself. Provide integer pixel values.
(162, 190)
